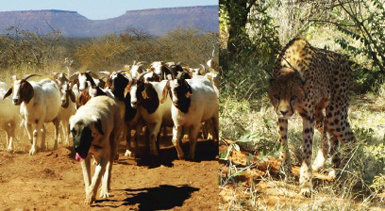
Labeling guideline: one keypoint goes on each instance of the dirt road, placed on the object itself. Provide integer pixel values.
(53, 180)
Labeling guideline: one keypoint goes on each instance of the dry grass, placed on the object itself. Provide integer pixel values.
(241, 189)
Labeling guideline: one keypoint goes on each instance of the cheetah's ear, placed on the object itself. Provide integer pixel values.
(303, 80)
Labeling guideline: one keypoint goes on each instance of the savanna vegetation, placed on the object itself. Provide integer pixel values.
(23, 52)
(252, 32)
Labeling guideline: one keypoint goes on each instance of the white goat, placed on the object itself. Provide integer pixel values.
(117, 83)
(82, 80)
(146, 97)
(137, 69)
(40, 103)
(9, 116)
(194, 101)
(68, 108)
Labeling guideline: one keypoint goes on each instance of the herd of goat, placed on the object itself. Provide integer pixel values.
(97, 114)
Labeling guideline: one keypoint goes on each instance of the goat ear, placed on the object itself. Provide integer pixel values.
(72, 96)
(127, 89)
(92, 74)
(189, 92)
(90, 79)
(165, 91)
(102, 83)
(9, 92)
(27, 91)
(55, 75)
(186, 86)
(108, 81)
(99, 127)
(144, 94)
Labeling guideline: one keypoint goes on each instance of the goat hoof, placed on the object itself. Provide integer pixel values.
(181, 157)
(128, 153)
(191, 157)
(32, 151)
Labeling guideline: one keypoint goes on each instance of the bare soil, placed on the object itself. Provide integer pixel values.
(53, 180)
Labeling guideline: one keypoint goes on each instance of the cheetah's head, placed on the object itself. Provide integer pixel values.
(286, 93)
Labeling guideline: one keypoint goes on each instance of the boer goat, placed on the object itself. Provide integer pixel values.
(9, 116)
(193, 101)
(137, 69)
(82, 81)
(161, 69)
(146, 97)
(117, 83)
(39, 103)
(68, 108)
(92, 90)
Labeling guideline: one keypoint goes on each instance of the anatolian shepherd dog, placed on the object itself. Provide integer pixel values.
(95, 129)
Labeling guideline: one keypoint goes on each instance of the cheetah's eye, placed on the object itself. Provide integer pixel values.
(276, 97)
(293, 99)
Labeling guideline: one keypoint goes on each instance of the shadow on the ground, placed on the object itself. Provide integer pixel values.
(159, 198)
(205, 151)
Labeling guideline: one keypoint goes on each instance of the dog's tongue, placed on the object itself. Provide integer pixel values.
(78, 157)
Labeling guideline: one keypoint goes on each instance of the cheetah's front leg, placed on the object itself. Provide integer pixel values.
(285, 154)
(306, 170)
(321, 126)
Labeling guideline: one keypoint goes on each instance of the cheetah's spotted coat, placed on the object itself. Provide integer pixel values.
(315, 83)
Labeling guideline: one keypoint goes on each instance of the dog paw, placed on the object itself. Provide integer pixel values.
(104, 194)
(89, 199)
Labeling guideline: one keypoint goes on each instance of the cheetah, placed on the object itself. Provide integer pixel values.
(311, 81)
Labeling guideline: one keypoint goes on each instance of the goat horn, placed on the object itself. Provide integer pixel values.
(73, 75)
(140, 77)
(104, 72)
(30, 75)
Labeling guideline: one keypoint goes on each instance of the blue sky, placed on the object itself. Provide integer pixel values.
(99, 9)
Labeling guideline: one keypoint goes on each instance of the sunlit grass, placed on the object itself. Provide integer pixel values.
(354, 190)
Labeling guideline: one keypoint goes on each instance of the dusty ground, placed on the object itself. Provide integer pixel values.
(53, 180)
(256, 185)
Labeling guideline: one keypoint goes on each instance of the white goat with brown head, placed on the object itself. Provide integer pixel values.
(39, 103)
(9, 116)
(68, 108)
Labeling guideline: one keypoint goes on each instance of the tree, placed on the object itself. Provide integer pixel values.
(237, 15)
